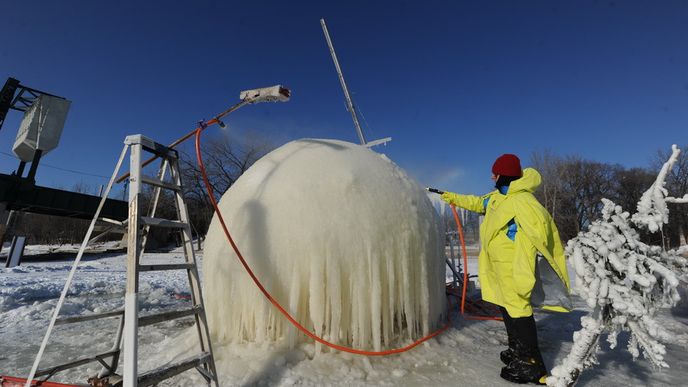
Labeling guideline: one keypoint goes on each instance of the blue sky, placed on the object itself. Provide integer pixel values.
(455, 83)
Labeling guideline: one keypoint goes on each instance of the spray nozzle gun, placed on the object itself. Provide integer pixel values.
(434, 190)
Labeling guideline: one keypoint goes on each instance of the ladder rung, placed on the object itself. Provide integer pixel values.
(173, 266)
(158, 222)
(89, 317)
(157, 183)
(76, 363)
(165, 372)
(175, 314)
(143, 321)
(115, 222)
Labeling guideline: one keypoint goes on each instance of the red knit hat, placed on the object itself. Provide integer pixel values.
(507, 165)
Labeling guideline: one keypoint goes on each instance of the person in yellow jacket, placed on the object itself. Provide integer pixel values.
(521, 262)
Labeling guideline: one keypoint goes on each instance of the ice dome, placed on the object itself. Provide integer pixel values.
(341, 236)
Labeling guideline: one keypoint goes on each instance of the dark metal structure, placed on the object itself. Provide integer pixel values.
(22, 194)
(25, 96)
(21, 101)
(7, 98)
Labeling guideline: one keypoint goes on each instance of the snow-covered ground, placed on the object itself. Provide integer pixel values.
(467, 354)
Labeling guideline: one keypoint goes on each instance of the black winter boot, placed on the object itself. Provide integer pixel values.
(523, 359)
(525, 371)
(507, 356)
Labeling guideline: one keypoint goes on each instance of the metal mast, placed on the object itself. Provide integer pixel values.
(349, 102)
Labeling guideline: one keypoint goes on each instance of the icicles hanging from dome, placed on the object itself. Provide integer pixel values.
(340, 236)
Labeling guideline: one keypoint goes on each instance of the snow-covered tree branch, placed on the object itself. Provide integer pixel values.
(684, 199)
(652, 209)
(624, 281)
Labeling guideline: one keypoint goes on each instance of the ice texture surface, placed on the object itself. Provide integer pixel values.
(341, 236)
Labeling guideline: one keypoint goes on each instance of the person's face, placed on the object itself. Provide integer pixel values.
(495, 177)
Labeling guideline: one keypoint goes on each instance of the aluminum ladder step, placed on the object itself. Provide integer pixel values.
(89, 317)
(76, 363)
(165, 372)
(143, 320)
(168, 266)
(158, 183)
(166, 223)
(165, 316)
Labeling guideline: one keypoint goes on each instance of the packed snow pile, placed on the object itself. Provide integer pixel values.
(340, 236)
(625, 281)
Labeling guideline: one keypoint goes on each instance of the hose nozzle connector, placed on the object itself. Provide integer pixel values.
(434, 190)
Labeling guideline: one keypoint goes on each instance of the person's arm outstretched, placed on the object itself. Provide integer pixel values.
(470, 202)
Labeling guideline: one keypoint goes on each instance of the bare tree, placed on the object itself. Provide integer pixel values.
(550, 167)
(589, 182)
(225, 161)
(572, 189)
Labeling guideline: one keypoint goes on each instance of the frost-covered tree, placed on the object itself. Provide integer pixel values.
(677, 184)
(624, 280)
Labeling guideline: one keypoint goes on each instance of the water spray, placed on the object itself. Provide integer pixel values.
(277, 93)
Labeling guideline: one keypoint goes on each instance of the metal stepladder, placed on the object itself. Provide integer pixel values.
(205, 361)
(126, 340)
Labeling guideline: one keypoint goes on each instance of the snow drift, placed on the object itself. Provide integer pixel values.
(340, 236)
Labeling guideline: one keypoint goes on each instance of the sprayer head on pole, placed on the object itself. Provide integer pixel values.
(266, 94)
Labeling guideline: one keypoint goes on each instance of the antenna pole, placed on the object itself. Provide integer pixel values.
(349, 102)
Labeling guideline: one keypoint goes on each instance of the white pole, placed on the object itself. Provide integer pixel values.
(349, 102)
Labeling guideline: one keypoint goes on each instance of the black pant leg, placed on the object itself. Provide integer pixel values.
(509, 325)
(525, 338)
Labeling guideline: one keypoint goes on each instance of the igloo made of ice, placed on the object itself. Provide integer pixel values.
(340, 236)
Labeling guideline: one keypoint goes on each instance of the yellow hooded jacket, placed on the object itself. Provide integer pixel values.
(508, 268)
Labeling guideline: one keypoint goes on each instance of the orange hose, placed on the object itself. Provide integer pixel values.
(267, 294)
(465, 257)
(465, 271)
